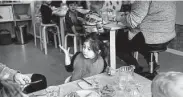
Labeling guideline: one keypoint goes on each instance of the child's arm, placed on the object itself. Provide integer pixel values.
(67, 57)
(74, 30)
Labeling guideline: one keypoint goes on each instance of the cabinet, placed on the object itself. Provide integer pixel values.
(14, 14)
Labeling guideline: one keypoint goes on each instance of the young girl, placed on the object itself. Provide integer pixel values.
(89, 62)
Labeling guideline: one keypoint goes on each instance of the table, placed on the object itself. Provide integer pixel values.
(113, 27)
(103, 79)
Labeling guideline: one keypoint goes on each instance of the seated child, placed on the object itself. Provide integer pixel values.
(168, 84)
(89, 62)
(73, 19)
(47, 18)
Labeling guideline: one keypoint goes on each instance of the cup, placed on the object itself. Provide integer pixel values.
(125, 75)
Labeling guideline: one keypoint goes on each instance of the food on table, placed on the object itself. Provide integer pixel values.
(73, 94)
(107, 91)
(83, 93)
(92, 18)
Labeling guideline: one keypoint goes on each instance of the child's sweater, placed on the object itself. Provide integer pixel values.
(83, 67)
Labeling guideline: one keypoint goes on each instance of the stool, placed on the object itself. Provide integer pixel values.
(154, 52)
(75, 41)
(44, 37)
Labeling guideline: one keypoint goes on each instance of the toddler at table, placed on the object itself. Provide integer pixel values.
(90, 61)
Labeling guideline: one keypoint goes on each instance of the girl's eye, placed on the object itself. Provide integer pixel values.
(89, 49)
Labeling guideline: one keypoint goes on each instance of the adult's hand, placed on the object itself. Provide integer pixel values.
(22, 79)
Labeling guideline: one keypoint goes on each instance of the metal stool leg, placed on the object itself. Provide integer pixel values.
(55, 40)
(58, 34)
(44, 41)
(75, 44)
(41, 37)
(151, 63)
(35, 37)
(66, 41)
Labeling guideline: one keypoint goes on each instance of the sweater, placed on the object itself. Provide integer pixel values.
(155, 19)
(83, 67)
(6, 73)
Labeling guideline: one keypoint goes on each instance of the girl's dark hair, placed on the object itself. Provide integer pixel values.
(70, 2)
(96, 44)
(10, 89)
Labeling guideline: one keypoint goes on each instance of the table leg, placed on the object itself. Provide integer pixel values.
(113, 49)
(62, 30)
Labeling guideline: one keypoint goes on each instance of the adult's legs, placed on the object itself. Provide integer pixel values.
(124, 49)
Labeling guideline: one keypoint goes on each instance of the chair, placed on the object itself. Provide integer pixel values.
(67, 80)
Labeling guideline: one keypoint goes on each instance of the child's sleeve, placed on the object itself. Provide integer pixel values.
(68, 21)
(6, 73)
(69, 68)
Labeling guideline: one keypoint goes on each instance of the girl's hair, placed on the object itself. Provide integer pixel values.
(10, 89)
(68, 2)
(96, 44)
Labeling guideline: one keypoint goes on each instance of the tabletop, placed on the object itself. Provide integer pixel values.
(103, 79)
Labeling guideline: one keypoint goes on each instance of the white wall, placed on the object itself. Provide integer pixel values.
(179, 15)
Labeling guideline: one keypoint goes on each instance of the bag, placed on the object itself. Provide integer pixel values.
(5, 37)
(36, 86)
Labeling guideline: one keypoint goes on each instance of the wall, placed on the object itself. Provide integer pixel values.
(179, 15)
(177, 43)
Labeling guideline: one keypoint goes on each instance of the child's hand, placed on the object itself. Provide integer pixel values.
(64, 50)
(111, 71)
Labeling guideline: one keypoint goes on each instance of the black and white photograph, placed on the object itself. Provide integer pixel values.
(91, 48)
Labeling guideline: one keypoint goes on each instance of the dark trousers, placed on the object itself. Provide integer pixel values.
(125, 47)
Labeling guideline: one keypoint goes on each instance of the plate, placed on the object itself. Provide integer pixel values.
(84, 85)
(84, 93)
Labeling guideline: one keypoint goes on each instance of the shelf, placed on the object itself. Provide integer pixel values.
(13, 3)
(22, 20)
(5, 21)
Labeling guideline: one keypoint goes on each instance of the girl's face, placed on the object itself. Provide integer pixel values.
(87, 51)
(73, 7)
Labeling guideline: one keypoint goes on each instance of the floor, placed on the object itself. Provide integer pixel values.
(30, 59)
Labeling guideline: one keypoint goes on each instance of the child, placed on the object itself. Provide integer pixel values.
(73, 18)
(47, 16)
(89, 62)
(168, 84)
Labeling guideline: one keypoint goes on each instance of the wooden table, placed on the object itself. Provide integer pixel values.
(113, 27)
(103, 80)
